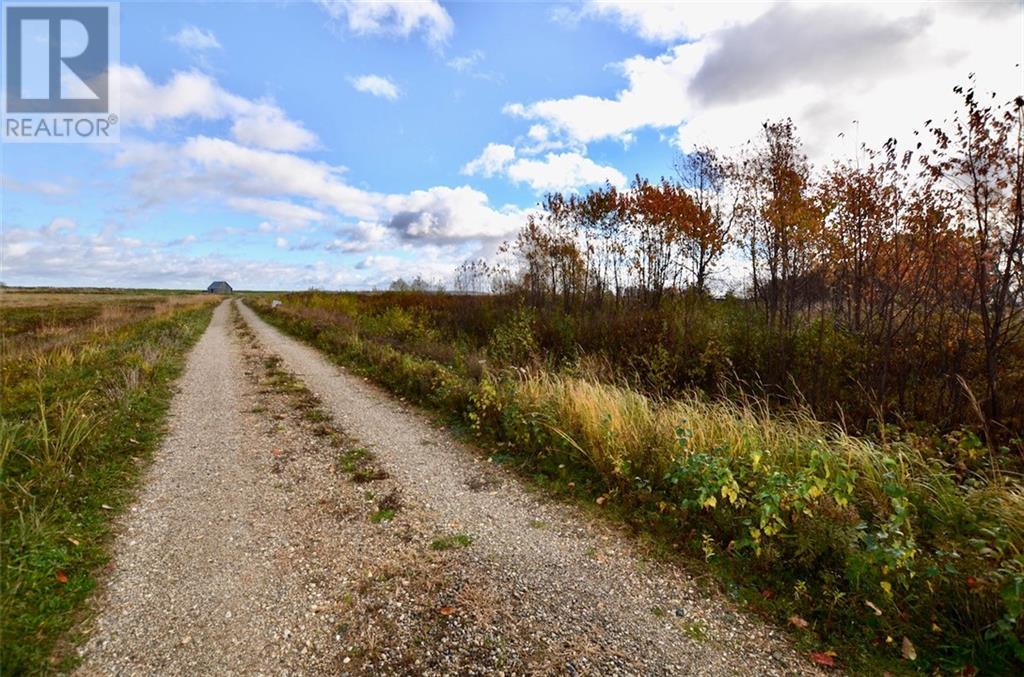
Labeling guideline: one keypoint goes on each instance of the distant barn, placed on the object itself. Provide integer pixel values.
(219, 287)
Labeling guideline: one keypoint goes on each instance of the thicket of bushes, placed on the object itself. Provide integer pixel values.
(871, 540)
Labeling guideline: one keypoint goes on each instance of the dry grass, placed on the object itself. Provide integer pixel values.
(612, 425)
(41, 321)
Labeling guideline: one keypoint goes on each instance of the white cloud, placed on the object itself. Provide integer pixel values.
(205, 168)
(887, 66)
(234, 169)
(847, 44)
(555, 172)
(267, 126)
(435, 264)
(282, 214)
(493, 160)
(563, 172)
(851, 92)
(656, 96)
(194, 94)
(669, 21)
(195, 39)
(538, 133)
(471, 64)
(38, 256)
(47, 188)
(284, 189)
(60, 224)
(376, 85)
(394, 17)
(185, 94)
(361, 237)
(466, 62)
(442, 214)
(269, 183)
(539, 140)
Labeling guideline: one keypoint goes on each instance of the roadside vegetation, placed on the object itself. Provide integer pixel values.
(841, 438)
(85, 386)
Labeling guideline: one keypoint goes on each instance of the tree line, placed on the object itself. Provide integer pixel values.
(909, 263)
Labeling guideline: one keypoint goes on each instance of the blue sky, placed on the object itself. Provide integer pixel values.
(341, 145)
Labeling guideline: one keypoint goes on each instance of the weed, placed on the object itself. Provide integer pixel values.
(366, 473)
(316, 415)
(350, 459)
(391, 501)
(451, 542)
(695, 630)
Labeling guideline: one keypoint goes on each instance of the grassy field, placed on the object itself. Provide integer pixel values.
(85, 387)
(898, 551)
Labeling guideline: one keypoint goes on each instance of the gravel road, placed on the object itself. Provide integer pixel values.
(251, 552)
(204, 578)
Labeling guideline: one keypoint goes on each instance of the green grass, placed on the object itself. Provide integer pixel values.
(41, 320)
(453, 542)
(385, 515)
(78, 425)
(350, 460)
(695, 630)
(316, 416)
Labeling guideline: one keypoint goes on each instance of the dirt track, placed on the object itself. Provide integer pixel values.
(248, 552)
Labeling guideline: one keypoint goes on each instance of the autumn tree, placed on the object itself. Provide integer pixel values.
(872, 287)
(706, 234)
(654, 221)
(598, 217)
(553, 265)
(981, 164)
(472, 276)
(779, 220)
